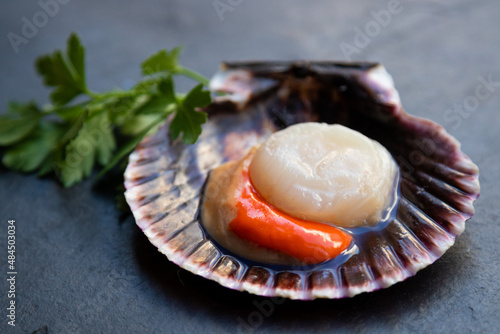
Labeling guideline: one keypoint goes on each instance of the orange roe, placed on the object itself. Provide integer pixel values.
(259, 222)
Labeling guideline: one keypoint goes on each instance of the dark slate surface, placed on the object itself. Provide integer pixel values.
(81, 271)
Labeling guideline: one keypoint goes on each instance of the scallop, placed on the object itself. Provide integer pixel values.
(437, 187)
(325, 173)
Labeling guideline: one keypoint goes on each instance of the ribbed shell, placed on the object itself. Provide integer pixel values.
(439, 183)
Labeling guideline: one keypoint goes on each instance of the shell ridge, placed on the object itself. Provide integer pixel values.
(454, 197)
(253, 284)
(428, 220)
(435, 200)
(467, 183)
(147, 199)
(162, 214)
(183, 240)
(144, 160)
(200, 264)
(442, 213)
(182, 229)
(203, 258)
(416, 264)
(321, 289)
(135, 181)
(229, 272)
(132, 183)
(358, 275)
(440, 183)
(173, 204)
(165, 224)
(460, 178)
(391, 255)
(289, 284)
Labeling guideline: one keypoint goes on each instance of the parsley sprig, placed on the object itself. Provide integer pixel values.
(70, 138)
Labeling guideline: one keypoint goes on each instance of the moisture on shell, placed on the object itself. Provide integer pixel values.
(438, 186)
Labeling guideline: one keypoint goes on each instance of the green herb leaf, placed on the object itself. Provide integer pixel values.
(187, 120)
(71, 139)
(136, 125)
(166, 89)
(106, 145)
(28, 155)
(19, 123)
(70, 113)
(94, 140)
(129, 146)
(197, 98)
(163, 101)
(76, 56)
(121, 108)
(67, 76)
(162, 61)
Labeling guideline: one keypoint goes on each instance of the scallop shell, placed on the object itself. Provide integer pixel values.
(439, 183)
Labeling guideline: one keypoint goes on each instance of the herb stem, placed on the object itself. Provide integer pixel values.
(193, 75)
(114, 93)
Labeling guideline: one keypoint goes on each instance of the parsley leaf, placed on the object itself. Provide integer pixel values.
(129, 146)
(94, 141)
(105, 142)
(66, 75)
(33, 152)
(187, 120)
(162, 101)
(71, 139)
(168, 62)
(162, 61)
(20, 121)
(76, 56)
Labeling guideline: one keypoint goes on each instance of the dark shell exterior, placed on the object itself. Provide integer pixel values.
(439, 183)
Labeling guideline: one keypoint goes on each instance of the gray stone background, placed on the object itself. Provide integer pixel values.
(82, 271)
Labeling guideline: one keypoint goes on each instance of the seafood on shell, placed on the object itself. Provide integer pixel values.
(437, 187)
